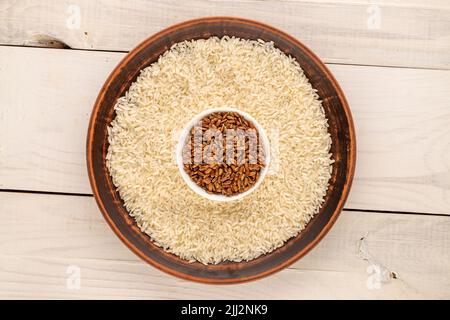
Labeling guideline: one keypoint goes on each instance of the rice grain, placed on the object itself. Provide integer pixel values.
(192, 76)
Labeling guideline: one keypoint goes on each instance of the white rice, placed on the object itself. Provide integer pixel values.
(254, 77)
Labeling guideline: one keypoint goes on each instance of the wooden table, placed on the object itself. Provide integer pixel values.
(392, 58)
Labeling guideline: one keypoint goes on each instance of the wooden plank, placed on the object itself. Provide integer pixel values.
(403, 143)
(44, 116)
(394, 33)
(401, 117)
(42, 236)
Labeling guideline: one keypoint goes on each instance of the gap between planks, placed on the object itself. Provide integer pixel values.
(327, 63)
(345, 209)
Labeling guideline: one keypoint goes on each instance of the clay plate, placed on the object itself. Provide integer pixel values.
(341, 130)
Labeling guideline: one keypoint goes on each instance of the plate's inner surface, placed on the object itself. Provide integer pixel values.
(341, 149)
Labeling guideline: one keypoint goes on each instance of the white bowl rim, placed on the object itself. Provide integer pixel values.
(194, 186)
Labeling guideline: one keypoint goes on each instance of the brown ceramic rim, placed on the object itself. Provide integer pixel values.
(233, 275)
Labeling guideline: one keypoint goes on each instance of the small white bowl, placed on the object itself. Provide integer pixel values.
(194, 186)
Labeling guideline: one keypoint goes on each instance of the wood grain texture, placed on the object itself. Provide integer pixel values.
(42, 235)
(401, 118)
(394, 33)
